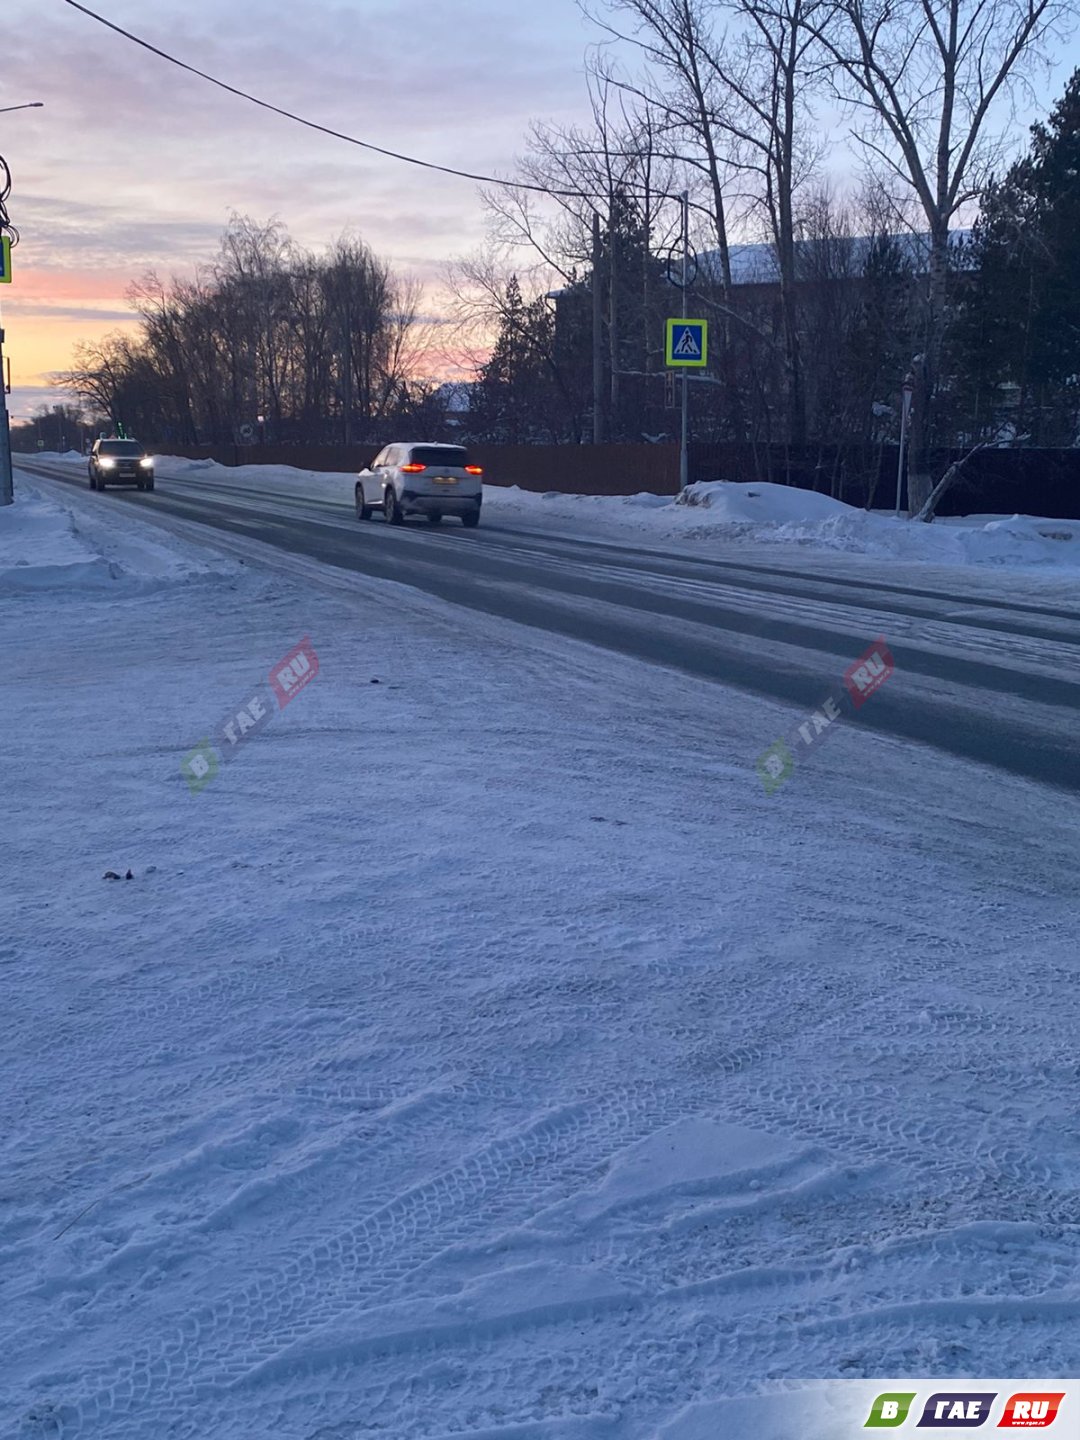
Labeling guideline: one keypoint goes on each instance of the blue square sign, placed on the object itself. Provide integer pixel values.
(687, 344)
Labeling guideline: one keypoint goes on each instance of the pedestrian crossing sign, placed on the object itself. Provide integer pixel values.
(5, 259)
(688, 344)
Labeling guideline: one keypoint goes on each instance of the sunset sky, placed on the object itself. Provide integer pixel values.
(134, 165)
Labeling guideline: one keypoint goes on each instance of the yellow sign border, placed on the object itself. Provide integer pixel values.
(5, 259)
(669, 346)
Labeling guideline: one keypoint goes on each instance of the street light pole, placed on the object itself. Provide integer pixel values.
(33, 105)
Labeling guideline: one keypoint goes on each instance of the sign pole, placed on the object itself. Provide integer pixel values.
(684, 448)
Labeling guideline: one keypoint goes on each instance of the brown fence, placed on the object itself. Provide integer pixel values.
(570, 469)
(1032, 482)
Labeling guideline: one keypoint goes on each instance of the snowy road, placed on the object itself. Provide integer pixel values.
(483, 1053)
(991, 679)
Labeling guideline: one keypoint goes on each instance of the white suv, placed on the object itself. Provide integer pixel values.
(431, 480)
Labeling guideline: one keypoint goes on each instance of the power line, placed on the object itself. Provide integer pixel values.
(323, 129)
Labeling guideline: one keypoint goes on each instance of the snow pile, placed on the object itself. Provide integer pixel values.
(1022, 540)
(786, 515)
(729, 503)
(40, 549)
(768, 514)
(48, 546)
(983, 540)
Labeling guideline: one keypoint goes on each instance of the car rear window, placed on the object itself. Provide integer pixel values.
(451, 455)
(120, 447)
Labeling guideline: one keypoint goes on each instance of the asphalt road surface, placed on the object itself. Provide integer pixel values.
(990, 680)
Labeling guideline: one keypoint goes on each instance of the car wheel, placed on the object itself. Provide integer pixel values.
(391, 509)
(363, 512)
(101, 482)
(93, 482)
(471, 519)
(434, 518)
(149, 485)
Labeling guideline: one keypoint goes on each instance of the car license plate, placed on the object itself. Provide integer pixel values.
(445, 479)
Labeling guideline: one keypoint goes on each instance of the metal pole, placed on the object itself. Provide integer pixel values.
(348, 386)
(7, 489)
(905, 411)
(597, 337)
(684, 448)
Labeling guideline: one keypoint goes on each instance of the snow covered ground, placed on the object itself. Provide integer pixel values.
(719, 513)
(482, 1051)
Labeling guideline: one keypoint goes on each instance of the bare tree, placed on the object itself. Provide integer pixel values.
(317, 344)
(927, 78)
(734, 86)
(612, 211)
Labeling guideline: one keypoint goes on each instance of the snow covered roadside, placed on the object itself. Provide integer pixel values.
(470, 1053)
(721, 513)
(46, 545)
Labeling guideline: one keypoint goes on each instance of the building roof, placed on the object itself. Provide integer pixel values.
(757, 264)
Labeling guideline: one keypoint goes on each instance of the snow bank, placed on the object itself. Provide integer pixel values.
(48, 546)
(39, 548)
(721, 512)
(767, 514)
(730, 503)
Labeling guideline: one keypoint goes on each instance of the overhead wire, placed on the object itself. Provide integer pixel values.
(325, 129)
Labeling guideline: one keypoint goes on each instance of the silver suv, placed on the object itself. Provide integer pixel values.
(421, 479)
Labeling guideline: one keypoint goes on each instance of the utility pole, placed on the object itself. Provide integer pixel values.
(347, 379)
(684, 447)
(597, 336)
(905, 414)
(7, 493)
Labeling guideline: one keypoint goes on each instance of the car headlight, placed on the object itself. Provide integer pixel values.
(106, 463)
(147, 464)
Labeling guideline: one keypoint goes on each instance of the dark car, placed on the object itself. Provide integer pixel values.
(120, 462)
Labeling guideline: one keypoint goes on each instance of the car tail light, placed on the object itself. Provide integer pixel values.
(412, 469)
(474, 469)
